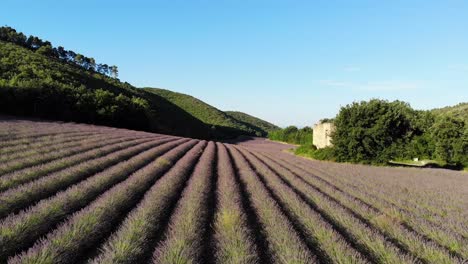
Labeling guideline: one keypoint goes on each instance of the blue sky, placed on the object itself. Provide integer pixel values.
(289, 62)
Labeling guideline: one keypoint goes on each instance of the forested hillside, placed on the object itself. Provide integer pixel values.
(459, 111)
(252, 121)
(40, 80)
(218, 119)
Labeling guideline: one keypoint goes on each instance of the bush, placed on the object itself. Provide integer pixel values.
(292, 135)
(312, 152)
(371, 132)
(450, 136)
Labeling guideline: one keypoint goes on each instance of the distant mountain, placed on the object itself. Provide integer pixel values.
(459, 110)
(210, 115)
(40, 80)
(253, 121)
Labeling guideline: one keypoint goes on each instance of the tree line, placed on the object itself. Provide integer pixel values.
(377, 131)
(46, 48)
(292, 135)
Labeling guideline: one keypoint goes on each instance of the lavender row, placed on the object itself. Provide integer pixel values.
(284, 243)
(186, 237)
(23, 195)
(46, 148)
(233, 239)
(412, 195)
(35, 134)
(330, 245)
(16, 178)
(31, 137)
(19, 231)
(93, 223)
(371, 243)
(41, 159)
(43, 142)
(404, 219)
(351, 214)
(135, 238)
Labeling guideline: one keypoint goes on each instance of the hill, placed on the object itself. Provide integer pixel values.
(459, 111)
(211, 115)
(39, 80)
(75, 193)
(252, 121)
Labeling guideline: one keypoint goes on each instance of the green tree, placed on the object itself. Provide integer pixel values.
(79, 59)
(366, 131)
(451, 140)
(46, 51)
(293, 135)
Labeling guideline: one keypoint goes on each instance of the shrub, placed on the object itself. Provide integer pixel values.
(366, 131)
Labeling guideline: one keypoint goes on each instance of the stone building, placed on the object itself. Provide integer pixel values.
(322, 134)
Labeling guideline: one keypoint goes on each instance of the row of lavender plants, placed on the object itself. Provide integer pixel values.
(73, 239)
(346, 210)
(17, 198)
(25, 175)
(135, 238)
(18, 231)
(406, 226)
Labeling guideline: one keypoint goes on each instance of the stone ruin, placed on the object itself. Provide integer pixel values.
(322, 134)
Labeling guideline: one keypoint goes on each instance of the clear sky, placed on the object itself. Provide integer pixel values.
(289, 62)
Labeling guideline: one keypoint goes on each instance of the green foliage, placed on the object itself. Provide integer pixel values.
(220, 122)
(292, 135)
(451, 140)
(312, 152)
(261, 127)
(36, 85)
(458, 111)
(45, 48)
(371, 131)
(378, 131)
(53, 83)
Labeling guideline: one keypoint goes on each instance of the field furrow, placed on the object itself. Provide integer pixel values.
(189, 225)
(28, 193)
(284, 243)
(71, 241)
(233, 239)
(33, 137)
(21, 230)
(135, 239)
(19, 177)
(375, 209)
(78, 193)
(39, 159)
(328, 245)
(358, 234)
(349, 210)
(45, 148)
(44, 142)
(446, 237)
(413, 207)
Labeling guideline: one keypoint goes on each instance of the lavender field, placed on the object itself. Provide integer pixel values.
(74, 193)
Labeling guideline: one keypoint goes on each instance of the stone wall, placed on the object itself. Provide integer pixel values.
(322, 135)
